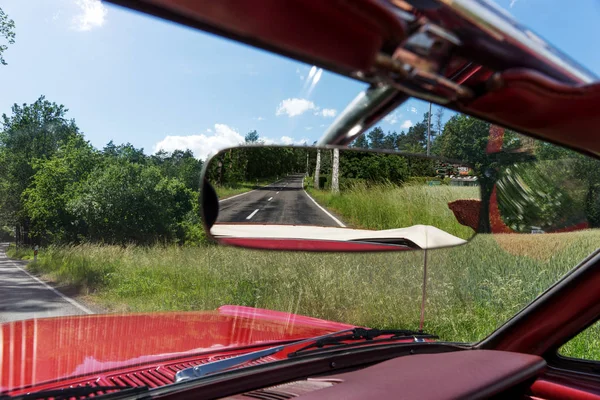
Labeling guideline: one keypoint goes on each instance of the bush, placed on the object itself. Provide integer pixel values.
(322, 181)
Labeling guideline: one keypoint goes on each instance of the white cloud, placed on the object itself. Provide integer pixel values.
(308, 128)
(412, 110)
(286, 140)
(92, 15)
(512, 3)
(323, 125)
(294, 107)
(392, 118)
(328, 112)
(202, 145)
(259, 118)
(406, 124)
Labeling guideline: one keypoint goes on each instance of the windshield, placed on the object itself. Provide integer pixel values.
(110, 116)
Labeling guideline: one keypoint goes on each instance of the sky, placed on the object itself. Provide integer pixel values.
(132, 78)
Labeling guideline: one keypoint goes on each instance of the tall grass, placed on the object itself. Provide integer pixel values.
(398, 207)
(21, 252)
(472, 289)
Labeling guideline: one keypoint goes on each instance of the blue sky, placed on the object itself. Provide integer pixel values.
(131, 78)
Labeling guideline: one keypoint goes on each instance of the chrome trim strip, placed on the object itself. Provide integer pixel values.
(488, 17)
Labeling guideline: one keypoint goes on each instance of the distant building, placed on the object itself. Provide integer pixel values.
(463, 181)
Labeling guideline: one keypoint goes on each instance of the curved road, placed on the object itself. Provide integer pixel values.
(281, 202)
(23, 296)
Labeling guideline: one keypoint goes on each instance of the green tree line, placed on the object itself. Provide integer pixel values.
(55, 187)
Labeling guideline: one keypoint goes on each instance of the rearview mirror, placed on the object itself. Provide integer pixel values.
(329, 199)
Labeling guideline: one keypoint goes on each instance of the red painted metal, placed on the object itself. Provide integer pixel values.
(53, 349)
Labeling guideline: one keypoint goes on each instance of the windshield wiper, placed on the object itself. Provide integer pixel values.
(222, 365)
(365, 335)
(78, 391)
(334, 338)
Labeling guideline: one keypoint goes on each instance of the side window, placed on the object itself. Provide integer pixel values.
(585, 346)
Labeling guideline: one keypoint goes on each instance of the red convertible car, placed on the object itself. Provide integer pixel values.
(466, 55)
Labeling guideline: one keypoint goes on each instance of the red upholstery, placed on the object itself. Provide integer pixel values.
(553, 391)
(469, 374)
(530, 102)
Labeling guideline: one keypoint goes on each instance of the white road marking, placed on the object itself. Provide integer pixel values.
(277, 193)
(325, 211)
(243, 194)
(252, 215)
(56, 292)
(237, 195)
(270, 198)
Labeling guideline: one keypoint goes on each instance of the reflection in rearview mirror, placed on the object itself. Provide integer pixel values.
(306, 198)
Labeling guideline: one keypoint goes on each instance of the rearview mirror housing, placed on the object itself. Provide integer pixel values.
(337, 199)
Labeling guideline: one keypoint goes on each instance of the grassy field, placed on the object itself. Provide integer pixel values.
(241, 187)
(472, 288)
(398, 207)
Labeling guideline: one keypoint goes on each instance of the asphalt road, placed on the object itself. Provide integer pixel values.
(282, 202)
(23, 296)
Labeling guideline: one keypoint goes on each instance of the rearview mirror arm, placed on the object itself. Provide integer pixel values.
(364, 111)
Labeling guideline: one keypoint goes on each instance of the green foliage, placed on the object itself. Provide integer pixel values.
(58, 187)
(33, 132)
(374, 167)
(544, 194)
(413, 141)
(251, 164)
(588, 170)
(397, 207)
(7, 31)
(466, 139)
(180, 164)
(126, 202)
(54, 185)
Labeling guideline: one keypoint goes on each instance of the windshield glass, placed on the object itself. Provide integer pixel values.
(109, 117)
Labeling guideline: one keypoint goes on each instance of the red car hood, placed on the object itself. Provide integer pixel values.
(43, 350)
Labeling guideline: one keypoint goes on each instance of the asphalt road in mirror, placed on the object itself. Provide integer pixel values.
(22, 296)
(282, 202)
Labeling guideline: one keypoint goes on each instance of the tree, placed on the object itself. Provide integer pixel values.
(587, 169)
(7, 31)
(376, 138)
(125, 202)
(335, 171)
(390, 141)
(252, 137)
(125, 151)
(361, 142)
(415, 140)
(180, 164)
(465, 138)
(53, 185)
(31, 133)
(317, 170)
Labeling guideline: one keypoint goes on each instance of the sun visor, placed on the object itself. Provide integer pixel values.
(529, 102)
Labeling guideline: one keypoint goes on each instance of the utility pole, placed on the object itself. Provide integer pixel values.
(316, 183)
(335, 182)
(429, 129)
